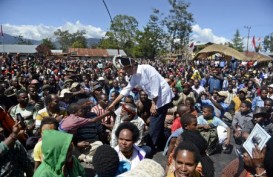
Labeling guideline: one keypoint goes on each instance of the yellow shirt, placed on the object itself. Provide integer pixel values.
(237, 103)
(44, 113)
(37, 152)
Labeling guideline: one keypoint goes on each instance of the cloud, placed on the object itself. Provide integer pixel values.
(41, 31)
(206, 35)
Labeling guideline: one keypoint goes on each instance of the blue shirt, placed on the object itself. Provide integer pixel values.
(175, 134)
(215, 121)
(203, 82)
(257, 101)
(222, 112)
(214, 83)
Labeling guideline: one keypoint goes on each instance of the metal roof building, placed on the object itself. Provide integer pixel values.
(95, 53)
(15, 48)
(114, 52)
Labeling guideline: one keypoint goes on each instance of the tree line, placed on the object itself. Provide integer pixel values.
(164, 33)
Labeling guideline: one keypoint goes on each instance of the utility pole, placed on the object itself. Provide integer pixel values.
(248, 30)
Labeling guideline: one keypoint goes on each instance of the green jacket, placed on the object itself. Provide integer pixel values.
(54, 147)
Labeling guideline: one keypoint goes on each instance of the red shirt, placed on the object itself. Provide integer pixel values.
(176, 124)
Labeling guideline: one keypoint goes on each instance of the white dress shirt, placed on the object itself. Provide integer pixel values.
(152, 83)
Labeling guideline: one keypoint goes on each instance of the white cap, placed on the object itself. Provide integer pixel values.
(100, 79)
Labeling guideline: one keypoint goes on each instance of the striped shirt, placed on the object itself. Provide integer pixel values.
(100, 111)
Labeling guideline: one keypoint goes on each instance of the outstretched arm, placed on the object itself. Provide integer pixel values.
(99, 117)
(116, 101)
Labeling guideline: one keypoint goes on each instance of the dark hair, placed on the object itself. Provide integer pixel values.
(131, 98)
(85, 104)
(50, 120)
(106, 161)
(180, 107)
(191, 100)
(102, 94)
(73, 108)
(116, 93)
(83, 101)
(48, 99)
(130, 126)
(269, 100)
(123, 82)
(189, 146)
(186, 119)
(247, 103)
(20, 92)
(264, 88)
(198, 140)
(209, 107)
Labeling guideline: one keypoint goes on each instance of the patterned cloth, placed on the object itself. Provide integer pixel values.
(100, 111)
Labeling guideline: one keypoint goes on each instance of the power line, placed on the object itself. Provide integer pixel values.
(248, 31)
(108, 11)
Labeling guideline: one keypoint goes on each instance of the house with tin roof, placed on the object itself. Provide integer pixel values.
(107, 54)
(16, 48)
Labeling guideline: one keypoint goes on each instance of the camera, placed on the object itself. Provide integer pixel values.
(20, 119)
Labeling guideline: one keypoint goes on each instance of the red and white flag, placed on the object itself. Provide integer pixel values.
(191, 47)
(254, 42)
(1, 32)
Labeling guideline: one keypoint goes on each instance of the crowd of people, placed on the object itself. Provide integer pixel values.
(58, 113)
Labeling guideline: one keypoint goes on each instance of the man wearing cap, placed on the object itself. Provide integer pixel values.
(236, 102)
(46, 90)
(158, 90)
(68, 83)
(77, 92)
(97, 91)
(105, 86)
(65, 98)
(262, 117)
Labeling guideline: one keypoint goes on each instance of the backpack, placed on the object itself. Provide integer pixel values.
(211, 137)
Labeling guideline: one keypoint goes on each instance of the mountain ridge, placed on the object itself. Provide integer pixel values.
(9, 39)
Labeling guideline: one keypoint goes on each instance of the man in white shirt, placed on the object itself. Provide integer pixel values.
(157, 89)
(197, 87)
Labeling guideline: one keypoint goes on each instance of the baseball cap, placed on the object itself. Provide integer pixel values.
(222, 93)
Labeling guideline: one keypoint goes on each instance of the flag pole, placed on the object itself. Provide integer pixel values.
(3, 45)
(2, 34)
